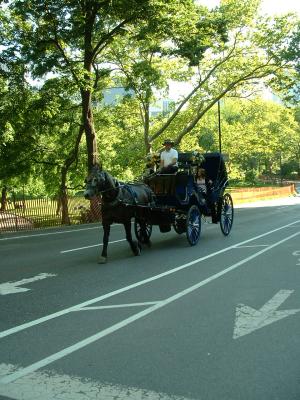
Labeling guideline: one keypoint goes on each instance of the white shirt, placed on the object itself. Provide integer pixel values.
(167, 157)
(201, 185)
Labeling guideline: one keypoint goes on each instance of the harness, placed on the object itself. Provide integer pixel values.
(117, 200)
(132, 193)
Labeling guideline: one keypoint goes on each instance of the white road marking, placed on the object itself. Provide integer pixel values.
(297, 254)
(57, 314)
(13, 287)
(48, 385)
(93, 245)
(249, 319)
(255, 245)
(147, 303)
(127, 321)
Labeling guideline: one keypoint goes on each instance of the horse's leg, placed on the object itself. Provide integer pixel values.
(106, 231)
(135, 246)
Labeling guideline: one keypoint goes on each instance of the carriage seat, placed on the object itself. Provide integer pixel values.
(162, 184)
(169, 184)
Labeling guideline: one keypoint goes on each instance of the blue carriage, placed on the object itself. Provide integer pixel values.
(180, 202)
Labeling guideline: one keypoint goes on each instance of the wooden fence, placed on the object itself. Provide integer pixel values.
(43, 213)
(244, 195)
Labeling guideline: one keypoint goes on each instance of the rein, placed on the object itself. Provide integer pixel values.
(108, 190)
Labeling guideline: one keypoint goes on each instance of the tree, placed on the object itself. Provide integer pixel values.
(287, 85)
(56, 117)
(71, 37)
(259, 136)
(243, 54)
(15, 135)
(15, 100)
(148, 61)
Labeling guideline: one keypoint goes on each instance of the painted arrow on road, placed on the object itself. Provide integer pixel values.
(13, 287)
(248, 319)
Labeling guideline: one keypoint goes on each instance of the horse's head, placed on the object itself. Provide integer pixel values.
(95, 182)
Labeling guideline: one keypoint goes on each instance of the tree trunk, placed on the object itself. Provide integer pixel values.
(3, 198)
(63, 195)
(88, 123)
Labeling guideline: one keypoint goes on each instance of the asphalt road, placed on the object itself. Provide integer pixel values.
(220, 320)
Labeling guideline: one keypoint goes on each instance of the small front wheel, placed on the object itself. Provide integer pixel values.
(142, 230)
(179, 224)
(226, 214)
(193, 225)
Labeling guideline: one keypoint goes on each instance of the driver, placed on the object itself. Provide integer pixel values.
(168, 158)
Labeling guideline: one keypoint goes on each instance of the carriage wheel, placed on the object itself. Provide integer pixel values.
(226, 214)
(179, 225)
(193, 225)
(142, 230)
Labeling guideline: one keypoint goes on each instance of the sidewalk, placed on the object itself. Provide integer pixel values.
(283, 201)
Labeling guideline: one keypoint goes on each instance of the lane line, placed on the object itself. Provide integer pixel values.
(93, 245)
(91, 339)
(57, 314)
(254, 245)
(147, 303)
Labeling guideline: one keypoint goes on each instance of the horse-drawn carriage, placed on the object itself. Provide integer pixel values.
(165, 200)
(180, 201)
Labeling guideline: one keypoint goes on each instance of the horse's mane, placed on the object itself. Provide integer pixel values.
(111, 180)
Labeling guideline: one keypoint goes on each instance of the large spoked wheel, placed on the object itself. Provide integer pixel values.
(193, 225)
(142, 231)
(226, 214)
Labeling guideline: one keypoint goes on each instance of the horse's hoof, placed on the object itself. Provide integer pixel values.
(102, 260)
(137, 251)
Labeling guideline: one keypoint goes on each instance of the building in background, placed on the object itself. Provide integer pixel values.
(113, 95)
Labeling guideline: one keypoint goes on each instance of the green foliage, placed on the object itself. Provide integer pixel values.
(203, 30)
(290, 169)
(287, 85)
(120, 139)
(142, 45)
(258, 135)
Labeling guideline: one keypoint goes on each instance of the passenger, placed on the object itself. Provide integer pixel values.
(200, 180)
(168, 158)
